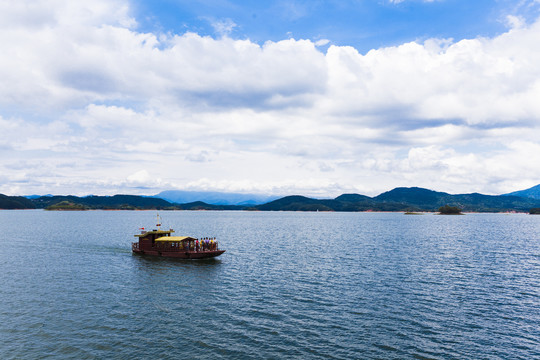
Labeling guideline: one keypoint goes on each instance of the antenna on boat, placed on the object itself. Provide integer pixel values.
(158, 222)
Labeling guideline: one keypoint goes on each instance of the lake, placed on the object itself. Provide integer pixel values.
(291, 285)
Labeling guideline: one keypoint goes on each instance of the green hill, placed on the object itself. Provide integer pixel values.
(116, 202)
(15, 202)
(404, 199)
(66, 205)
(121, 202)
(422, 198)
(533, 193)
(199, 205)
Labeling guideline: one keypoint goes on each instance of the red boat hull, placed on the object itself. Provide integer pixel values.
(180, 254)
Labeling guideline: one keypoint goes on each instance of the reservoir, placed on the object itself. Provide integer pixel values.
(291, 285)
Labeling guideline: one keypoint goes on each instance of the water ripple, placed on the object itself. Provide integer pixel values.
(291, 285)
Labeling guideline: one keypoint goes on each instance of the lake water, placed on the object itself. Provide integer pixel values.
(291, 285)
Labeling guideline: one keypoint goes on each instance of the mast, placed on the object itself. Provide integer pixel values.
(158, 222)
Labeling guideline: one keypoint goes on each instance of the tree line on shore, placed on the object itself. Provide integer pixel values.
(399, 199)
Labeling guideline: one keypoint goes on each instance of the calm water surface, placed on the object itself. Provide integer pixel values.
(291, 285)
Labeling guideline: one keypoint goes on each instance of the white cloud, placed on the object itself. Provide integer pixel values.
(451, 82)
(90, 105)
(514, 22)
(322, 42)
(37, 15)
(223, 27)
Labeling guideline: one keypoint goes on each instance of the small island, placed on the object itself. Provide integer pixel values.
(449, 210)
(534, 211)
(66, 206)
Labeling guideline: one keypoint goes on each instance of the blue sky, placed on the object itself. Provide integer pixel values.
(317, 98)
(363, 24)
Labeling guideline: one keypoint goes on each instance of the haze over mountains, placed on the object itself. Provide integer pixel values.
(214, 197)
(223, 198)
(398, 199)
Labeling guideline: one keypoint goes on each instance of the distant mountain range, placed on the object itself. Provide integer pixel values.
(533, 193)
(115, 202)
(398, 199)
(405, 199)
(215, 198)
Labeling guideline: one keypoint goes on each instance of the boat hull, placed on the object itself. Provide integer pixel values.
(180, 254)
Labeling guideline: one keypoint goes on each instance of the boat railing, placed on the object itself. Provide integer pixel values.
(179, 246)
(135, 246)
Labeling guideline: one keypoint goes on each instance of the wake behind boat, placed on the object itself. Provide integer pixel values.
(158, 242)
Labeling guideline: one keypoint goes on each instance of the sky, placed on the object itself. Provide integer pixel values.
(315, 98)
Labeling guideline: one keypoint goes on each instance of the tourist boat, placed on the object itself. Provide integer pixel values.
(158, 242)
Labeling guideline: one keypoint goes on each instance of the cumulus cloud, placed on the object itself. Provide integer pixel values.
(88, 102)
(44, 14)
(65, 68)
(426, 81)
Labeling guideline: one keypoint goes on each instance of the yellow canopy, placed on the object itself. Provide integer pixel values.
(175, 238)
